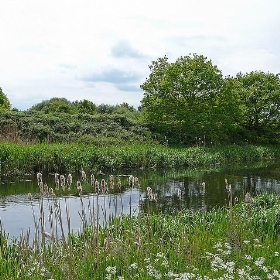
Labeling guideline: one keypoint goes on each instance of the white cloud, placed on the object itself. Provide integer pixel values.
(49, 47)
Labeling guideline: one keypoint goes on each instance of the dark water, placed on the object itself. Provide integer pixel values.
(171, 190)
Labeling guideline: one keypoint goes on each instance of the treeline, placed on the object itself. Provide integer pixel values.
(60, 121)
(186, 102)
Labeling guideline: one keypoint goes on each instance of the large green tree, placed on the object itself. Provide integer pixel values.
(259, 93)
(4, 101)
(183, 99)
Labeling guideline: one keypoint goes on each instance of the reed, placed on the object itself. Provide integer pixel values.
(19, 159)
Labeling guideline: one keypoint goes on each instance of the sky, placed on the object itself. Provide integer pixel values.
(100, 50)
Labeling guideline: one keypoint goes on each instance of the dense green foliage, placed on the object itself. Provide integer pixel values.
(186, 102)
(189, 101)
(16, 159)
(241, 242)
(4, 101)
(59, 120)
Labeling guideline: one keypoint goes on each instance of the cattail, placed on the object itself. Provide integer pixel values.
(79, 187)
(131, 181)
(62, 181)
(51, 192)
(41, 187)
(119, 184)
(155, 197)
(112, 182)
(96, 184)
(46, 188)
(57, 184)
(203, 187)
(29, 195)
(149, 193)
(56, 177)
(56, 180)
(39, 177)
(104, 186)
(69, 179)
(92, 180)
(136, 181)
(179, 193)
(84, 175)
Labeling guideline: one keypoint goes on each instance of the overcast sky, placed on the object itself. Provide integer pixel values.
(101, 50)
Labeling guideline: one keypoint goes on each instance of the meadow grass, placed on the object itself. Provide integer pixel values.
(17, 159)
(238, 241)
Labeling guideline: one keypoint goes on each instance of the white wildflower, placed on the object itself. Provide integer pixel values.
(111, 269)
(259, 261)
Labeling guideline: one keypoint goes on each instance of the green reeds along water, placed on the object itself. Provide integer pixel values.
(16, 159)
(239, 241)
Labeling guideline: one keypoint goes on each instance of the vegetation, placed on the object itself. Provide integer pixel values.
(60, 121)
(4, 101)
(17, 159)
(235, 242)
(186, 102)
(189, 99)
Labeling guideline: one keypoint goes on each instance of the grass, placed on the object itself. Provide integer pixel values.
(238, 241)
(18, 159)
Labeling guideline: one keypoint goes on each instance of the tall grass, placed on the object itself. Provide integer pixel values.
(18, 159)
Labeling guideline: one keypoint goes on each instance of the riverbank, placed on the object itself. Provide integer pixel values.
(19, 159)
(238, 242)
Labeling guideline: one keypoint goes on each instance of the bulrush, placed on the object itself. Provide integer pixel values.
(131, 181)
(46, 188)
(69, 179)
(39, 177)
(79, 187)
(41, 186)
(51, 192)
(203, 187)
(84, 175)
(119, 184)
(104, 186)
(112, 181)
(96, 184)
(56, 180)
(136, 182)
(92, 180)
(179, 193)
(62, 181)
(149, 193)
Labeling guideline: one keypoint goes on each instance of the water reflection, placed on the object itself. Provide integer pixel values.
(173, 190)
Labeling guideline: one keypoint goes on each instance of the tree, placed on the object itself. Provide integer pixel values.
(54, 105)
(4, 101)
(84, 106)
(259, 93)
(181, 99)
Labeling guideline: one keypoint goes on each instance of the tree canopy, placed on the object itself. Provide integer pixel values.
(190, 99)
(4, 101)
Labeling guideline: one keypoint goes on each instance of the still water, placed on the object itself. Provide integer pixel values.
(23, 207)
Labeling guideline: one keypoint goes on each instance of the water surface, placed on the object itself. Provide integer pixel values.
(171, 191)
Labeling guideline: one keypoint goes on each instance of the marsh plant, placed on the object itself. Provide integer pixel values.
(237, 241)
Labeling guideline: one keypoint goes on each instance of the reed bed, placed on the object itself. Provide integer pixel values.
(17, 159)
(238, 241)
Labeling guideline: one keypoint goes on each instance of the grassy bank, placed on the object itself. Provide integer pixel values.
(18, 158)
(239, 242)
